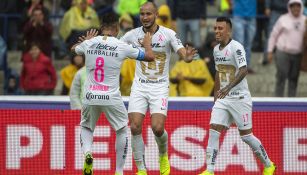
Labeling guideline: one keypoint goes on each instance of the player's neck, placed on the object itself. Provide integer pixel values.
(224, 43)
(107, 33)
(153, 29)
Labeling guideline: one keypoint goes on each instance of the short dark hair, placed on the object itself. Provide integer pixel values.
(109, 19)
(224, 19)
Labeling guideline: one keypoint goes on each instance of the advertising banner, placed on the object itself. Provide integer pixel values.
(47, 142)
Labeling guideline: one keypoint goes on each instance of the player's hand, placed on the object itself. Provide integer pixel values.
(89, 34)
(190, 52)
(223, 92)
(146, 40)
(270, 57)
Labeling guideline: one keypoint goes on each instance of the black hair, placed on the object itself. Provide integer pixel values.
(224, 19)
(109, 19)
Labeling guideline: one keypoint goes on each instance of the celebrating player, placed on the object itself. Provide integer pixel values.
(103, 58)
(232, 97)
(151, 85)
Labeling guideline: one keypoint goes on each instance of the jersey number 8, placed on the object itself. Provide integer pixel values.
(99, 71)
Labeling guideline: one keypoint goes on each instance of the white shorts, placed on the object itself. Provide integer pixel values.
(225, 112)
(157, 101)
(115, 114)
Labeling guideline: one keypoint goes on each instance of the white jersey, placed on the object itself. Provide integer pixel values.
(103, 58)
(227, 63)
(154, 75)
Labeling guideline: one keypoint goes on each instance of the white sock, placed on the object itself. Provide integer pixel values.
(162, 143)
(258, 149)
(138, 150)
(121, 148)
(86, 140)
(212, 149)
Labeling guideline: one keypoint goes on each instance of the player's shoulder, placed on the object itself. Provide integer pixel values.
(92, 40)
(166, 30)
(235, 43)
(133, 31)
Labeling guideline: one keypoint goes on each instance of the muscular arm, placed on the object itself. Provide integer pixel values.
(238, 78)
(242, 73)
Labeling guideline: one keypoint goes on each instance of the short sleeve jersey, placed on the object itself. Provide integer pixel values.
(154, 75)
(103, 58)
(227, 63)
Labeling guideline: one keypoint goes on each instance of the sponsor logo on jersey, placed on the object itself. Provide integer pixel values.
(235, 93)
(106, 47)
(156, 45)
(221, 59)
(91, 96)
(153, 45)
(241, 60)
(239, 52)
(152, 81)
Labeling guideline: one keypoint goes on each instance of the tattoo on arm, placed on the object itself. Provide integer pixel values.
(239, 77)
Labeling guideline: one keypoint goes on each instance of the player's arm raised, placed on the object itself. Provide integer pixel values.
(89, 34)
(187, 53)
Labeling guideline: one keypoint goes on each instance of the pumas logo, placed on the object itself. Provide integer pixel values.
(222, 59)
(90, 96)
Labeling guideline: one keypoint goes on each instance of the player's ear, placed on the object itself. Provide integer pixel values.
(229, 30)
(117, 29)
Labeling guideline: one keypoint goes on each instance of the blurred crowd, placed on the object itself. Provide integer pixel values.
(44, 30)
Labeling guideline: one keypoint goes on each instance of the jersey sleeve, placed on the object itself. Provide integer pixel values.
(80, 49)
(127, 38)
(131, 51)
(240, 55)
(174, 40)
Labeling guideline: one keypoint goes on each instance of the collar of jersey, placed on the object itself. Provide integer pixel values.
(226, 44)
(155, 31)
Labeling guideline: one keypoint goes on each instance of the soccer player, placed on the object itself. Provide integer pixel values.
(103, 58)
(150, 85)
(232, 97)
